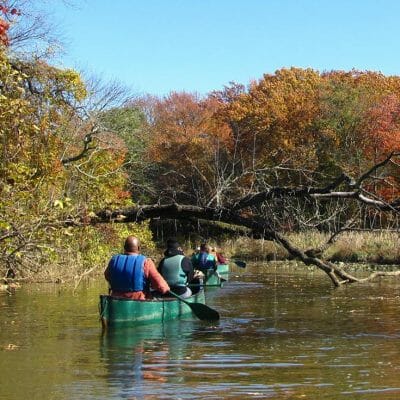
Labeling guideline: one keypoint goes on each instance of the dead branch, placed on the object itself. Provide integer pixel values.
(86, 147)
(374, 168)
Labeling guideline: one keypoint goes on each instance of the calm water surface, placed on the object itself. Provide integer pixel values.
(283, 334)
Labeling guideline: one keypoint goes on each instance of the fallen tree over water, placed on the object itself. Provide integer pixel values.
(244, 212)
(258, 228)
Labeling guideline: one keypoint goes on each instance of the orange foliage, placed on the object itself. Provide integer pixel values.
(273, 121)
(297, 125)
(184, 127)
(4, 26)
(382, 126)
(6, 13)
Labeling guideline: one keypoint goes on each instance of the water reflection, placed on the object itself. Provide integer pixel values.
(282, 335)
(139, 359)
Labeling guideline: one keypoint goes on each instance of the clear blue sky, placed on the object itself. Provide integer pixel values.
(158, 46)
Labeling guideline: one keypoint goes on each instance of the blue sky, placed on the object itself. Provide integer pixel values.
(158, 46)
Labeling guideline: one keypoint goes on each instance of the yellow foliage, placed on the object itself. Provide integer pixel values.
(73, 83)
(38, 193)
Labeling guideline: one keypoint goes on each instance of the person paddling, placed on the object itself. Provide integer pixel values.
(132, 275)
(221, 259)
(176, 268)
(204, 261)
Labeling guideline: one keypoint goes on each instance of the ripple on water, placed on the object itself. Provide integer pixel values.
(375, 390)
(278, 338)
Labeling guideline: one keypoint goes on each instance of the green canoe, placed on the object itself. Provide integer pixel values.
(223, 269)
(217, 278)
(118, 311)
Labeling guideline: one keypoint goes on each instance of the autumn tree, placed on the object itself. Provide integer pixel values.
(297, 152)
(57, 165)
(129, 124)
(294, 150)
(295, 127)
(186, 147)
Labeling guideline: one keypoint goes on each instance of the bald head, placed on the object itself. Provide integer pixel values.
(132, 244)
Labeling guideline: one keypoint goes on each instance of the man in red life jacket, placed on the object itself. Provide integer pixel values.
(131, 274)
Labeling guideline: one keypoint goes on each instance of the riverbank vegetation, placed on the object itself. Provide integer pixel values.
(378, 248)
(58, 164)
(295, 154)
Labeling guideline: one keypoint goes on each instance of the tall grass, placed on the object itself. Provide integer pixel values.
(368, 247)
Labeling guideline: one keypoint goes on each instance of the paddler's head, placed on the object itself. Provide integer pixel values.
(132, 244)
(205, 248)
(173, 244)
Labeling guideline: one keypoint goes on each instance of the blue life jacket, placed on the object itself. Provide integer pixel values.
(204, 261)
(127, 274)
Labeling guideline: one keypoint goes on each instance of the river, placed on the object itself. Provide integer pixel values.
(283, 334)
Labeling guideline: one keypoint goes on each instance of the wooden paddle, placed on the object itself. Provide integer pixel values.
(201, 311)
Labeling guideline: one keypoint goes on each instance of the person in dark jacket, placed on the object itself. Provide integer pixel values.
(176, 269)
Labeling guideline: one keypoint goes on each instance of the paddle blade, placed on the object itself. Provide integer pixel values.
(240, 264)
(204, 312)
(200, 310)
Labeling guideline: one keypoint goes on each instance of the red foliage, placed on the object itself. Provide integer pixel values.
(5, 15)
(4, 26)
(386, 189)
(383, 128)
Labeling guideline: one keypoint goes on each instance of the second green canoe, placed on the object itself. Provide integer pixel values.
(218, 277)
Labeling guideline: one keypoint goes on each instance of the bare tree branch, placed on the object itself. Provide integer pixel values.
(86, 147)
(374, 168)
